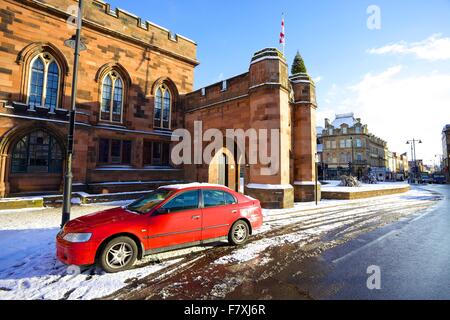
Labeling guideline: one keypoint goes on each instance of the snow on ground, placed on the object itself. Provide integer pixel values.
(253, 249)
(22, 210)
(319, 220)
(29, 269)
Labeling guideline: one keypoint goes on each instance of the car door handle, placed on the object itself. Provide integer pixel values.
(195, 217)
(234, 211)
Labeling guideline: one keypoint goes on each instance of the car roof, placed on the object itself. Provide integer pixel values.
(194, 185)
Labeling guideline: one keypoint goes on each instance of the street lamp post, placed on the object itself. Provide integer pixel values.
(353, 157)
(413, 155)
(316, 186)
(67, 196)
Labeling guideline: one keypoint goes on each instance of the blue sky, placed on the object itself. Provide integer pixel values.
(380, 86)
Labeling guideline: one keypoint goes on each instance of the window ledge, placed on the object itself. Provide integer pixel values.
(112, 124)
(130, 168)
(164, 131)
(114, 166)
(34, 174)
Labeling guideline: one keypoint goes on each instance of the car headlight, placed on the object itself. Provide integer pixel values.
(78, 237)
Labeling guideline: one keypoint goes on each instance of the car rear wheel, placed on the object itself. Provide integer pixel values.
(239, 233)
(119, 254)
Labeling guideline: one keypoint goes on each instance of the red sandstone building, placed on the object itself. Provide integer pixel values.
(135, 88)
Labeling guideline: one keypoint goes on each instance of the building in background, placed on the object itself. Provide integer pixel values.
(321, 164)
(401, 166)
(416, 168)
(349, 147)
(446, 152)
(391, 165)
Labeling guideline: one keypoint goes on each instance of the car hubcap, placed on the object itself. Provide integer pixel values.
(240, 232)
(119, 255)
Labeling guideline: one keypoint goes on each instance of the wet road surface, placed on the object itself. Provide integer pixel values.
(322, 254)
(413, 256)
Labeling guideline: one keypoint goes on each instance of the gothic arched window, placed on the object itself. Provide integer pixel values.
(37, 152)
(112, 97)
(44, 82)
(163, 106)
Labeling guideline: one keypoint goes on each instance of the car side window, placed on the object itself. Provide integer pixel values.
(186, 201)
(217, 198)
(229, 199)
(213, 198)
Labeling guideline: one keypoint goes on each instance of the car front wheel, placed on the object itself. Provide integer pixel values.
(239, 233)
(119, 254)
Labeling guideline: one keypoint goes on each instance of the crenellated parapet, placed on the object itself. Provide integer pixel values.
(268, 69)
(121, 23)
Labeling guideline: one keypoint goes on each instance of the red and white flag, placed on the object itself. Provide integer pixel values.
(282, 40)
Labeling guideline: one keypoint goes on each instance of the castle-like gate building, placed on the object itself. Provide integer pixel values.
(135, 88)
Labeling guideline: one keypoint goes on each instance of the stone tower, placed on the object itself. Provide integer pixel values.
(304, 137)
(270, 109)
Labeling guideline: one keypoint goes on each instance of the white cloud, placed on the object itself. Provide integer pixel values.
(398, 107)
(317, 79)
(434, 48)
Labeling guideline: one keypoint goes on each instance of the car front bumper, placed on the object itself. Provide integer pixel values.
(79, 254)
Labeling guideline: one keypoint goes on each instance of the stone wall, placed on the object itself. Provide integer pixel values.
(142, 53)
(330, 195)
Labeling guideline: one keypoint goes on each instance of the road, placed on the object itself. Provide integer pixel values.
(413, 256)
(323, 254)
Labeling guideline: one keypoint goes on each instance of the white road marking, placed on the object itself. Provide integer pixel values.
(365, 246)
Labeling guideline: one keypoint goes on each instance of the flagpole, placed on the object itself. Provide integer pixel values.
(282, 34)
(284, 38)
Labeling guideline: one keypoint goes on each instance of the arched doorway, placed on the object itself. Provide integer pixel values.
(222, 168)
(36, 163)
(228, 167)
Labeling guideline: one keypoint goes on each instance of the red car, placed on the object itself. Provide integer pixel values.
(168, 218)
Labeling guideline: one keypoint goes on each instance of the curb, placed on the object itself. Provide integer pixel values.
(16, 203)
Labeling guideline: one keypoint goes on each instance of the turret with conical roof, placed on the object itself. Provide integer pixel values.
(302, 84)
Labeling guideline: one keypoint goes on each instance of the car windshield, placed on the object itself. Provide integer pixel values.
(148, 202)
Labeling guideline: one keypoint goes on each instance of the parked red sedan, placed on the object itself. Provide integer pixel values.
(168, 218)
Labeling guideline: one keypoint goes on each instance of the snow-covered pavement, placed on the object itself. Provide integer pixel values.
(28, 266)
(29, 269)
